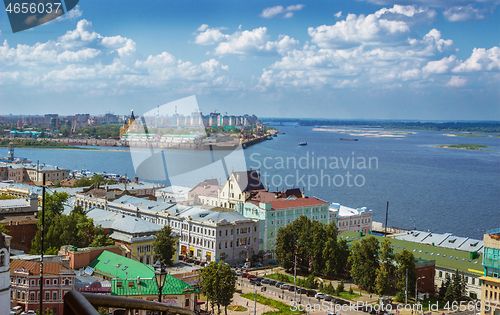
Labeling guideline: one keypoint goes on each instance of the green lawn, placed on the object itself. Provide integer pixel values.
(348, 296)
(283, 308)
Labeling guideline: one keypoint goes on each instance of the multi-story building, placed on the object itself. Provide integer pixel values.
(135, 234)
(130, 278)
(349, 219)
(278, 213)
(490, 282)
(4, 275)
(25, 284)
(29, 173)
(204, 234)
(447, 261)
(237, 189)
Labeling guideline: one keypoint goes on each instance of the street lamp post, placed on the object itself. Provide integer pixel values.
(160, 276)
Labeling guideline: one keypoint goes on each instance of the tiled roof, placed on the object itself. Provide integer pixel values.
(294, 203)
(49, 268)
(113, 265)
(248, 180)
(445, 257)
(172, 286)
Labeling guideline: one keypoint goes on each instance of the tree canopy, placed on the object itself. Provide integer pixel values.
(164, 245)
(219, 285)
(364, 260)
(60, 229)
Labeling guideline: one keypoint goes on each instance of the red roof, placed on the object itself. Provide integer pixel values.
(302, 202)
(49, 268)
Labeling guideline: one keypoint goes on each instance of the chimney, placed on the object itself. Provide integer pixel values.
(136, 180)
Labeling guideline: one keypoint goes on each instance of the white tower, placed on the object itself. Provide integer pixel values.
(4, 277)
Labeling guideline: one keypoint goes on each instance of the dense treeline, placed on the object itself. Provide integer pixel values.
(102, 132)
(60, 229)
(19, 143)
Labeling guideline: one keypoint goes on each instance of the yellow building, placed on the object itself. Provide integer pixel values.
(131, 127)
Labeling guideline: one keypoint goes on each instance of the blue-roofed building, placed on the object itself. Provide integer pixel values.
(205, 235)
(136, 235)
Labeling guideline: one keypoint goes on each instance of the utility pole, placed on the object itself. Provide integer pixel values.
(406, 288)
(255, 303)
(386, 214)
(295, 281)
(42, 241)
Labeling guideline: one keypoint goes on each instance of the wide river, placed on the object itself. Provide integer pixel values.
(429, 188)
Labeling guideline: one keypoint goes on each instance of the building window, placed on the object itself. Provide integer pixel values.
(55, 281)
(54, 295)
(47, 282)
(187, 303)
(226, 244)
(47, 296)
(219, 245)
(32, 296)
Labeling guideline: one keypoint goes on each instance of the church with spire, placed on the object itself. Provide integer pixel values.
(130, 127)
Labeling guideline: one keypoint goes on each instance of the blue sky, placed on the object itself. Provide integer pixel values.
(371, 59)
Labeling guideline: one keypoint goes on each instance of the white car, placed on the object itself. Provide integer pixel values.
(30, 312)
(239, 272)
(320, 295)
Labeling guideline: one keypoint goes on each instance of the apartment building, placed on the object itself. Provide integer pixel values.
(490, 282)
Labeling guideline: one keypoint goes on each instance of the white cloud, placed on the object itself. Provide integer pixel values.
(465, 13)
(338, 14)
(456, 81)
(441, 66)
(72, 14)
(481, 60)
(355, 29)
(80, 59)
(245, 42)
(209, 36)
(202, 27)
(271, 12)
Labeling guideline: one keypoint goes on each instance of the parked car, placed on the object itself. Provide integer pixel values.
(301, 291)
(239, 272)
(197, 262)
(258, 264)
(273, 262)
(190, 261)
(244, 274)
(16, 310)
(291, 288)
(251, 277)
(320, 295)
(328, 298)
(278, 284)
(260, 279)
(273, 282)
(30, 312)
(311, 293)
(265, 281)
(285, 286)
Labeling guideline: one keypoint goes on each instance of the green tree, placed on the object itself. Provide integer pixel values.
(335, 252)
(4, 229)
(164, 245)
(286, 246)
(405, 261)
(101, 238)
(456, 289)
(219, 285)
(364, 260)
(443, 288)
(386, 269)
(340, 287)
(227, 285)
(82, 182)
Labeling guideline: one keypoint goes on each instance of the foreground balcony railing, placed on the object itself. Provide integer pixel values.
(76, 303)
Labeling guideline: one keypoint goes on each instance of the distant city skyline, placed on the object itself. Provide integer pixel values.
(366, 59)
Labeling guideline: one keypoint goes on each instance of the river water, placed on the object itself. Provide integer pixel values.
(437, 189)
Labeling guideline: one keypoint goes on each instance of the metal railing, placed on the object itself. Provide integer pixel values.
(76, 303)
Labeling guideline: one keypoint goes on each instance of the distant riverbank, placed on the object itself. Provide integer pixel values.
(477, 147)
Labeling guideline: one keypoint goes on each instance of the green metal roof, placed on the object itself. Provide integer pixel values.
(172, 286)
(423, 252)
(115, 266)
